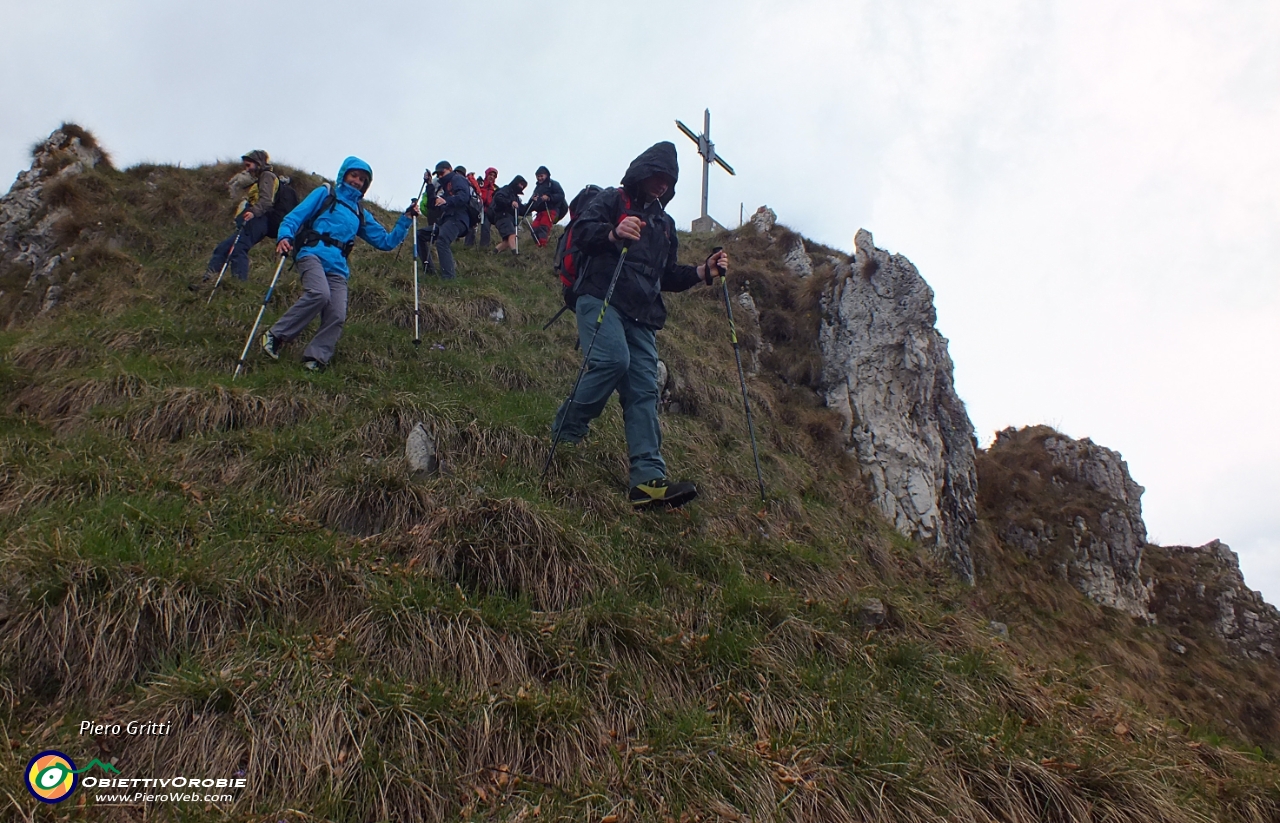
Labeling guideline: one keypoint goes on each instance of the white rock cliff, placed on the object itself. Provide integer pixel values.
(887, 372)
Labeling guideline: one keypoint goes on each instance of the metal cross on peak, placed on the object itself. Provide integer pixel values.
(708, 151)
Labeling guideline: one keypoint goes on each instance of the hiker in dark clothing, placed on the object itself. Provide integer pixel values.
(506, 206)
(487, 187)
(625, 355)
(475, 185)
(254, 189)
(548, 201)
(449, 200)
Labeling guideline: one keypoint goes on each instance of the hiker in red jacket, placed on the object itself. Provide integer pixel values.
(487, 188)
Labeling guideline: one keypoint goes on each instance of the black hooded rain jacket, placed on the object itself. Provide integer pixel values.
(651, 266)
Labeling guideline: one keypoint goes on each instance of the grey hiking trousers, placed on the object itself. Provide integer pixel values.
(324, 294)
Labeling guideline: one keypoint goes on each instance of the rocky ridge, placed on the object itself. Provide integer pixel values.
(1200, 591)
(29, 217)
(1071, 504)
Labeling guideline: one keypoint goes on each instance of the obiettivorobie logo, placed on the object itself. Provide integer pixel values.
(51, 776)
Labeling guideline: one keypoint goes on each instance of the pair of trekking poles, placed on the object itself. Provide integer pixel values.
(737, 355)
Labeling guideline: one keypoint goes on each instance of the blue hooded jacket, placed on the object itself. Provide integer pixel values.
(340, 222)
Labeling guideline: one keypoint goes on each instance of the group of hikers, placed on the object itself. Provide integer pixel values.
(622, 244)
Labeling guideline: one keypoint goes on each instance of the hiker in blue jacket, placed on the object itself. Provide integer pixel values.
(324, 227)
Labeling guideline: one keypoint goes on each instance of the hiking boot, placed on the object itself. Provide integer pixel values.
(313, 366)
(661, 493)
(202, 283)
(270, 345)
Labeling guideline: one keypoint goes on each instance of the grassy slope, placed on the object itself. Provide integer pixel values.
(249, 561)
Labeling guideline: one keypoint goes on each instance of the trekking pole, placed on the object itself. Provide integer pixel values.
(258, 319)
(223, 270)
(585, 359)
(515, 214)
(417, 338)
(742, 380)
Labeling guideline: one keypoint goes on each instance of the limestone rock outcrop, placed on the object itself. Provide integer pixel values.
(1200, 592)
(1072, 504)
(887, 372)
(797, 260)
(28, 221)
(763, 219)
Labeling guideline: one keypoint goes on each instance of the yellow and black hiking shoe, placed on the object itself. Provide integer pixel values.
(661, 493)
(270, 345)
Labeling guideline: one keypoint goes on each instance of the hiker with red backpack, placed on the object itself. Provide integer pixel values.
(255, 188)
(324, 228)
(624, 247)
(505, 211)
(548, 201)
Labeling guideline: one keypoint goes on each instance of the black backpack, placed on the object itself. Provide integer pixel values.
(475, 206)
(286, 201)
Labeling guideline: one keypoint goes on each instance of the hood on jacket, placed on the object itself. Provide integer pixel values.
(355, 163)
(491, 172)
(260, 157)
(660, 158)
(542, 170)
(518, 182)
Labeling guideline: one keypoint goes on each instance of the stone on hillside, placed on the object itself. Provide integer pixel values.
(420, 453)
(1099, 547)
(888, 374)
(51, 296)
(872, 612)
(797, 260)
(764, 219)
(498, 315)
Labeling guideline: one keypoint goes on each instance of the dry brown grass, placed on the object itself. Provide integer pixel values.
(504, 546)
(181, 412)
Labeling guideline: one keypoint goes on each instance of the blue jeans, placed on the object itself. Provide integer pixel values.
(624, 359)
(249, 235)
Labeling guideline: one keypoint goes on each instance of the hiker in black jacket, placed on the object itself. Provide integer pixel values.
(452, 195)
(502, 213)
(625, 355)
(548, 201)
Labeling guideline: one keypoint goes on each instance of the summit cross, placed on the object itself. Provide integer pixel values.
(708, 151)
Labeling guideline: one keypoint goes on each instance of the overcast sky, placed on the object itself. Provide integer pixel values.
(1092, 188)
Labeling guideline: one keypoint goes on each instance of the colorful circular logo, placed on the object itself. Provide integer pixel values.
(51, 777)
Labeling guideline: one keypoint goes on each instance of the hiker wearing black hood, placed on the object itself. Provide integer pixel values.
(503, 211)
(624, 357)
(548, 201)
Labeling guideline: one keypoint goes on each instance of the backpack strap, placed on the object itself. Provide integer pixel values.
(308, 236)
